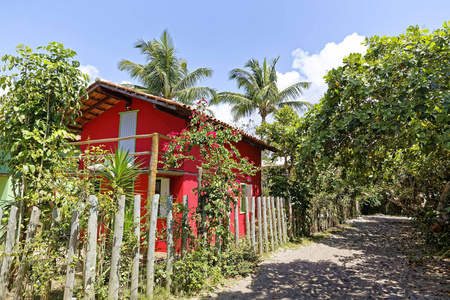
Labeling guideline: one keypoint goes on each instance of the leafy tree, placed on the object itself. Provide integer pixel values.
(261, 92)
(385, 118)
(43, 98)
(165, 74)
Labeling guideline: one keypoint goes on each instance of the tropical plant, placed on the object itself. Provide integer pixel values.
(222, 165)
(120, 172)
(383, 124)
(261, 91)
(165, 74)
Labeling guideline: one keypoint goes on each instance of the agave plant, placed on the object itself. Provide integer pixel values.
(120, 172)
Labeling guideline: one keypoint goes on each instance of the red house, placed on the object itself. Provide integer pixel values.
(113, 111)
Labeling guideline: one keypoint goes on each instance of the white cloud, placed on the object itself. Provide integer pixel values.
(222, 112)
(287, 79)
(307, 67)
(91, 71)
(3, 92)
(313, 67)
(124, 82)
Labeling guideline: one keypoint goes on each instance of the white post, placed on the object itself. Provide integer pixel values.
(91, 250)
(113, 288)
(280, 229)
(169, 265)
(266, 238)
(151, 247)
(284, 219)
(269, 212)
(253, 244)
(260, 234)
(9, 246)
(275, 230)
(236, 222)
(137, 231)
(247, 218)
(31, 231)
(73, 245)
(184, 224)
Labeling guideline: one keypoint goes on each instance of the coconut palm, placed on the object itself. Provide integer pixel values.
(165, 74)
(261, 92)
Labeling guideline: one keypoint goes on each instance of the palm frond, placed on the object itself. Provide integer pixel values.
(189, 95)
(293, 91)
(299, 105)
(244, 78)
(191, 79)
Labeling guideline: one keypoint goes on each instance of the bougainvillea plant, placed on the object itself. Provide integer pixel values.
(223, 168)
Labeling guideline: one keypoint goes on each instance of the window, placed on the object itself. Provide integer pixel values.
(128, 121)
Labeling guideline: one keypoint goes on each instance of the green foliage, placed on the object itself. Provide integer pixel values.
(223, 167)
(202, 267)
(240, 261)
(261, 92)
(166, 75)
(381, 132)
(120, 172)
(43, 98)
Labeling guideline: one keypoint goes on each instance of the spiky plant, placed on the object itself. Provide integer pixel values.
(120, 171)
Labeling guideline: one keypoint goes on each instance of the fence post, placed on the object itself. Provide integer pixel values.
(56, 219)
(91, 250)
(137, 234)
(73, 246)
(280, 229)
(274, 218)
(184, 225)
(151, 247)
(253, 223)
(31, 231)
(269, 212)
(283, 219)
(291, 221)
(113, 288)
(247, 218)
(260, 227)
(201, 200)
(9, 245)
(264, 208)
(152, 168)
(169, 265)
(236, 222)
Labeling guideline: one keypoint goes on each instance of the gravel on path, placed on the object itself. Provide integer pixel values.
(375, 258)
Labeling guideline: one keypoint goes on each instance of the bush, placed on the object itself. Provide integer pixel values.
(239, 261)
(202, 267)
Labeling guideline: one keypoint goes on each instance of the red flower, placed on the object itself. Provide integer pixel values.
(211, 133)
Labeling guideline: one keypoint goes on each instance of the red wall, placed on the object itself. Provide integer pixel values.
(150, 120)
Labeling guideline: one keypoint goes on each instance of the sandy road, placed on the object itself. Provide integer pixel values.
(373, 259)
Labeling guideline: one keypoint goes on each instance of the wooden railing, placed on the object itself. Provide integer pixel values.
(152, 170)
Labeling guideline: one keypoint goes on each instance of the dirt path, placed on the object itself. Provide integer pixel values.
(373, 259)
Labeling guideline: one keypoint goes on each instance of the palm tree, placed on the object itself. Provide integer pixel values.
(261, 91)
(165, 74)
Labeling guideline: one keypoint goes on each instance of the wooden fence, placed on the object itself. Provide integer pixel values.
(266, 228)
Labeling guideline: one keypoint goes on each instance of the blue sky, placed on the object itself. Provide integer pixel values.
(309, 36)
